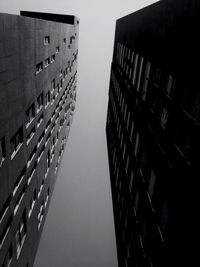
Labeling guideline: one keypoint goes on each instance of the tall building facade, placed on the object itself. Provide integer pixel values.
(38, 79)
(153, 129)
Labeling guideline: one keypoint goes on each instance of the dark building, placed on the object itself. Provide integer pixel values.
(38, 77)
(153, 130)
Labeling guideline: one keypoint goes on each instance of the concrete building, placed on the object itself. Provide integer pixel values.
(153, 129)
(38, 78)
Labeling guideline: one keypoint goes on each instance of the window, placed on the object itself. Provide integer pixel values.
(131, 182)
(32, 173)
(2, 150)
(4, 209)
(47, 125)
(47, 99)
(41, 214)
(64, 40)
(152, 181)
(19, 181)
(156, 77)
(41, 187)
(31, 157)
(170, 85)
(39, 121)
(57, 49)
(137, 145)
(41, 153)
(30, 115)
(48, 158)
(39, 67)
(5, 232)
(21, 234)
(53, 85)
(8, 257)
(146, 80)
(30, 135)
(164, 118)
(16, 142)
(53, 57)
(19, 200)
(46, 62)
(135, 69)
(46, 40)
(32, 203)
(39, 102)
(140, 73)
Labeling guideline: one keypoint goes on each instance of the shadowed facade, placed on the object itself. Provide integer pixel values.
(153, 129)
(38, 77)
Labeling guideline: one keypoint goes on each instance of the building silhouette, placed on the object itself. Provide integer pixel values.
(38, 77)
(153, 129)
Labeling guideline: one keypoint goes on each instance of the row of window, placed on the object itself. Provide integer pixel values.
(17, 140)
(139, 71)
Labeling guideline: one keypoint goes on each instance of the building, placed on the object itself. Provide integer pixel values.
(38, 78)
(153, 129)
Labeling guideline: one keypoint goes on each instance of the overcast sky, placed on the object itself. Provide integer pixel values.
(79, 228)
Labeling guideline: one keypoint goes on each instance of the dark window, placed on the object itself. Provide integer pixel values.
(8, 257)
(57, 49)
(20, 233)
(2, 150)
(64, 40)
(16, 141)
(53, 57)
(53, 85)
(30, 114)
(146, 80)
(40, 120)
(47, 62)
(170, 86)
(30, 135)
(164, 117)
(157, 77)
(46, 40)
(47, 98)
(39, 102)
(39, 67)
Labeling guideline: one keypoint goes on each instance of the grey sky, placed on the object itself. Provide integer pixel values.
(79, 229)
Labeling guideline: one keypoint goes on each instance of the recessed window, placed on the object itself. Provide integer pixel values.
(39, 102)
(47, 99)
(32, 173)
(39, 67)
(8, 257)
(53, 85)
(32, 203)
(2, 150)
(64, 40)
(157, 77)
(140, 73)
(135, 69)
(57, 49)
(31, 157)
(46, 62)
(20, 233)
(164, 118)
(46, 40)
(53, 57)
(16, 142)
(137, 145)
(19, 181)
(170, 86)
(5, 232)
(30, 135)
(48, 161)
(146, 80)
(19, 200)
(40, 120)
(152, 181)
(30, 115)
